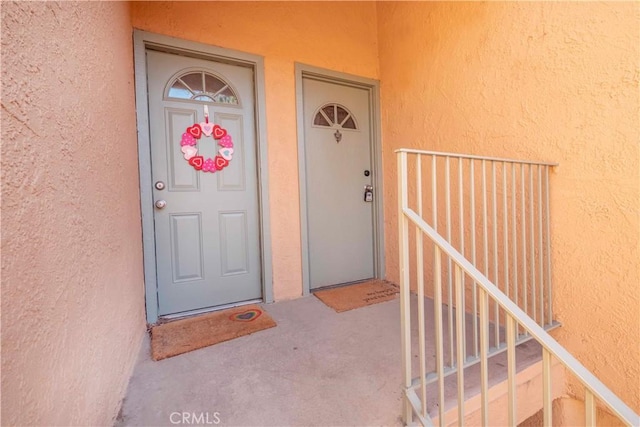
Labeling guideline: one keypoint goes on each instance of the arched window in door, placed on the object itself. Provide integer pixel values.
(202, 86)
(335, 116)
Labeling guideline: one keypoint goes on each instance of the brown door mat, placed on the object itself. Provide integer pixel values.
(358, 295)
(184, 335)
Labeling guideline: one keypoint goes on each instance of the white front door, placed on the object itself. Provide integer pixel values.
(339, 166)
(206, 223)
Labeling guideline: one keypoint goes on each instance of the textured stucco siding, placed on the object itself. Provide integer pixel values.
(540, 81)
(72, 283)
(334, 35)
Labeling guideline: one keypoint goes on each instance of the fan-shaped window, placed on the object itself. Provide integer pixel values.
(202, 86)
(334, 115)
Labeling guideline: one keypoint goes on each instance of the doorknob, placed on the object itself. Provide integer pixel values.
(160, 204)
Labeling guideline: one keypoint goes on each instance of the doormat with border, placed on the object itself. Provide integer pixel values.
(349, 297)
(184, 335)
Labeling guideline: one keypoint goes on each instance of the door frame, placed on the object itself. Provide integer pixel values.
(373, 88)
(141, 41)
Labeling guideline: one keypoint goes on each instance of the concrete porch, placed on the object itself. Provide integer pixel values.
(317, 367)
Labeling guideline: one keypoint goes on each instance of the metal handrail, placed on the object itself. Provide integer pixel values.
(515, 318)
(474, 157)
(589, 381)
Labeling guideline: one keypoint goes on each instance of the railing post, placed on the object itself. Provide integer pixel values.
(422, 345)
(496, 273)
(462, 230)
(405, 308)
(540, 246)
(447, 175)
(505, 228)
(485, 232)
(546, 388)
(589, 408)
(532, 241)
(548, 233)
(474, 288)
(484, 350)
(523, 226)
(460, 338)
(511, 370)
(514, 220)
(437, 304)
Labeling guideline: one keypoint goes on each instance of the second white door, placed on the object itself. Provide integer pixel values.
(339, 174)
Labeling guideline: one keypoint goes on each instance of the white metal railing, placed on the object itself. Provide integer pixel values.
(515, 319)
(495, 212)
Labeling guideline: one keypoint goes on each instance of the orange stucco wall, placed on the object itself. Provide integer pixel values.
(541, 81)
(337, 36)
(72, 284)
(551, 81)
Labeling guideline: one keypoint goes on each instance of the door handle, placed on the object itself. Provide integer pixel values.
(368, 193)
(160, 204)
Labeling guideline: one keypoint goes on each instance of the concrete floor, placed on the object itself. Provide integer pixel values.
(317, 367)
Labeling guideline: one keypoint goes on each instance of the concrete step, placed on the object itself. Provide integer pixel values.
(529, 398)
